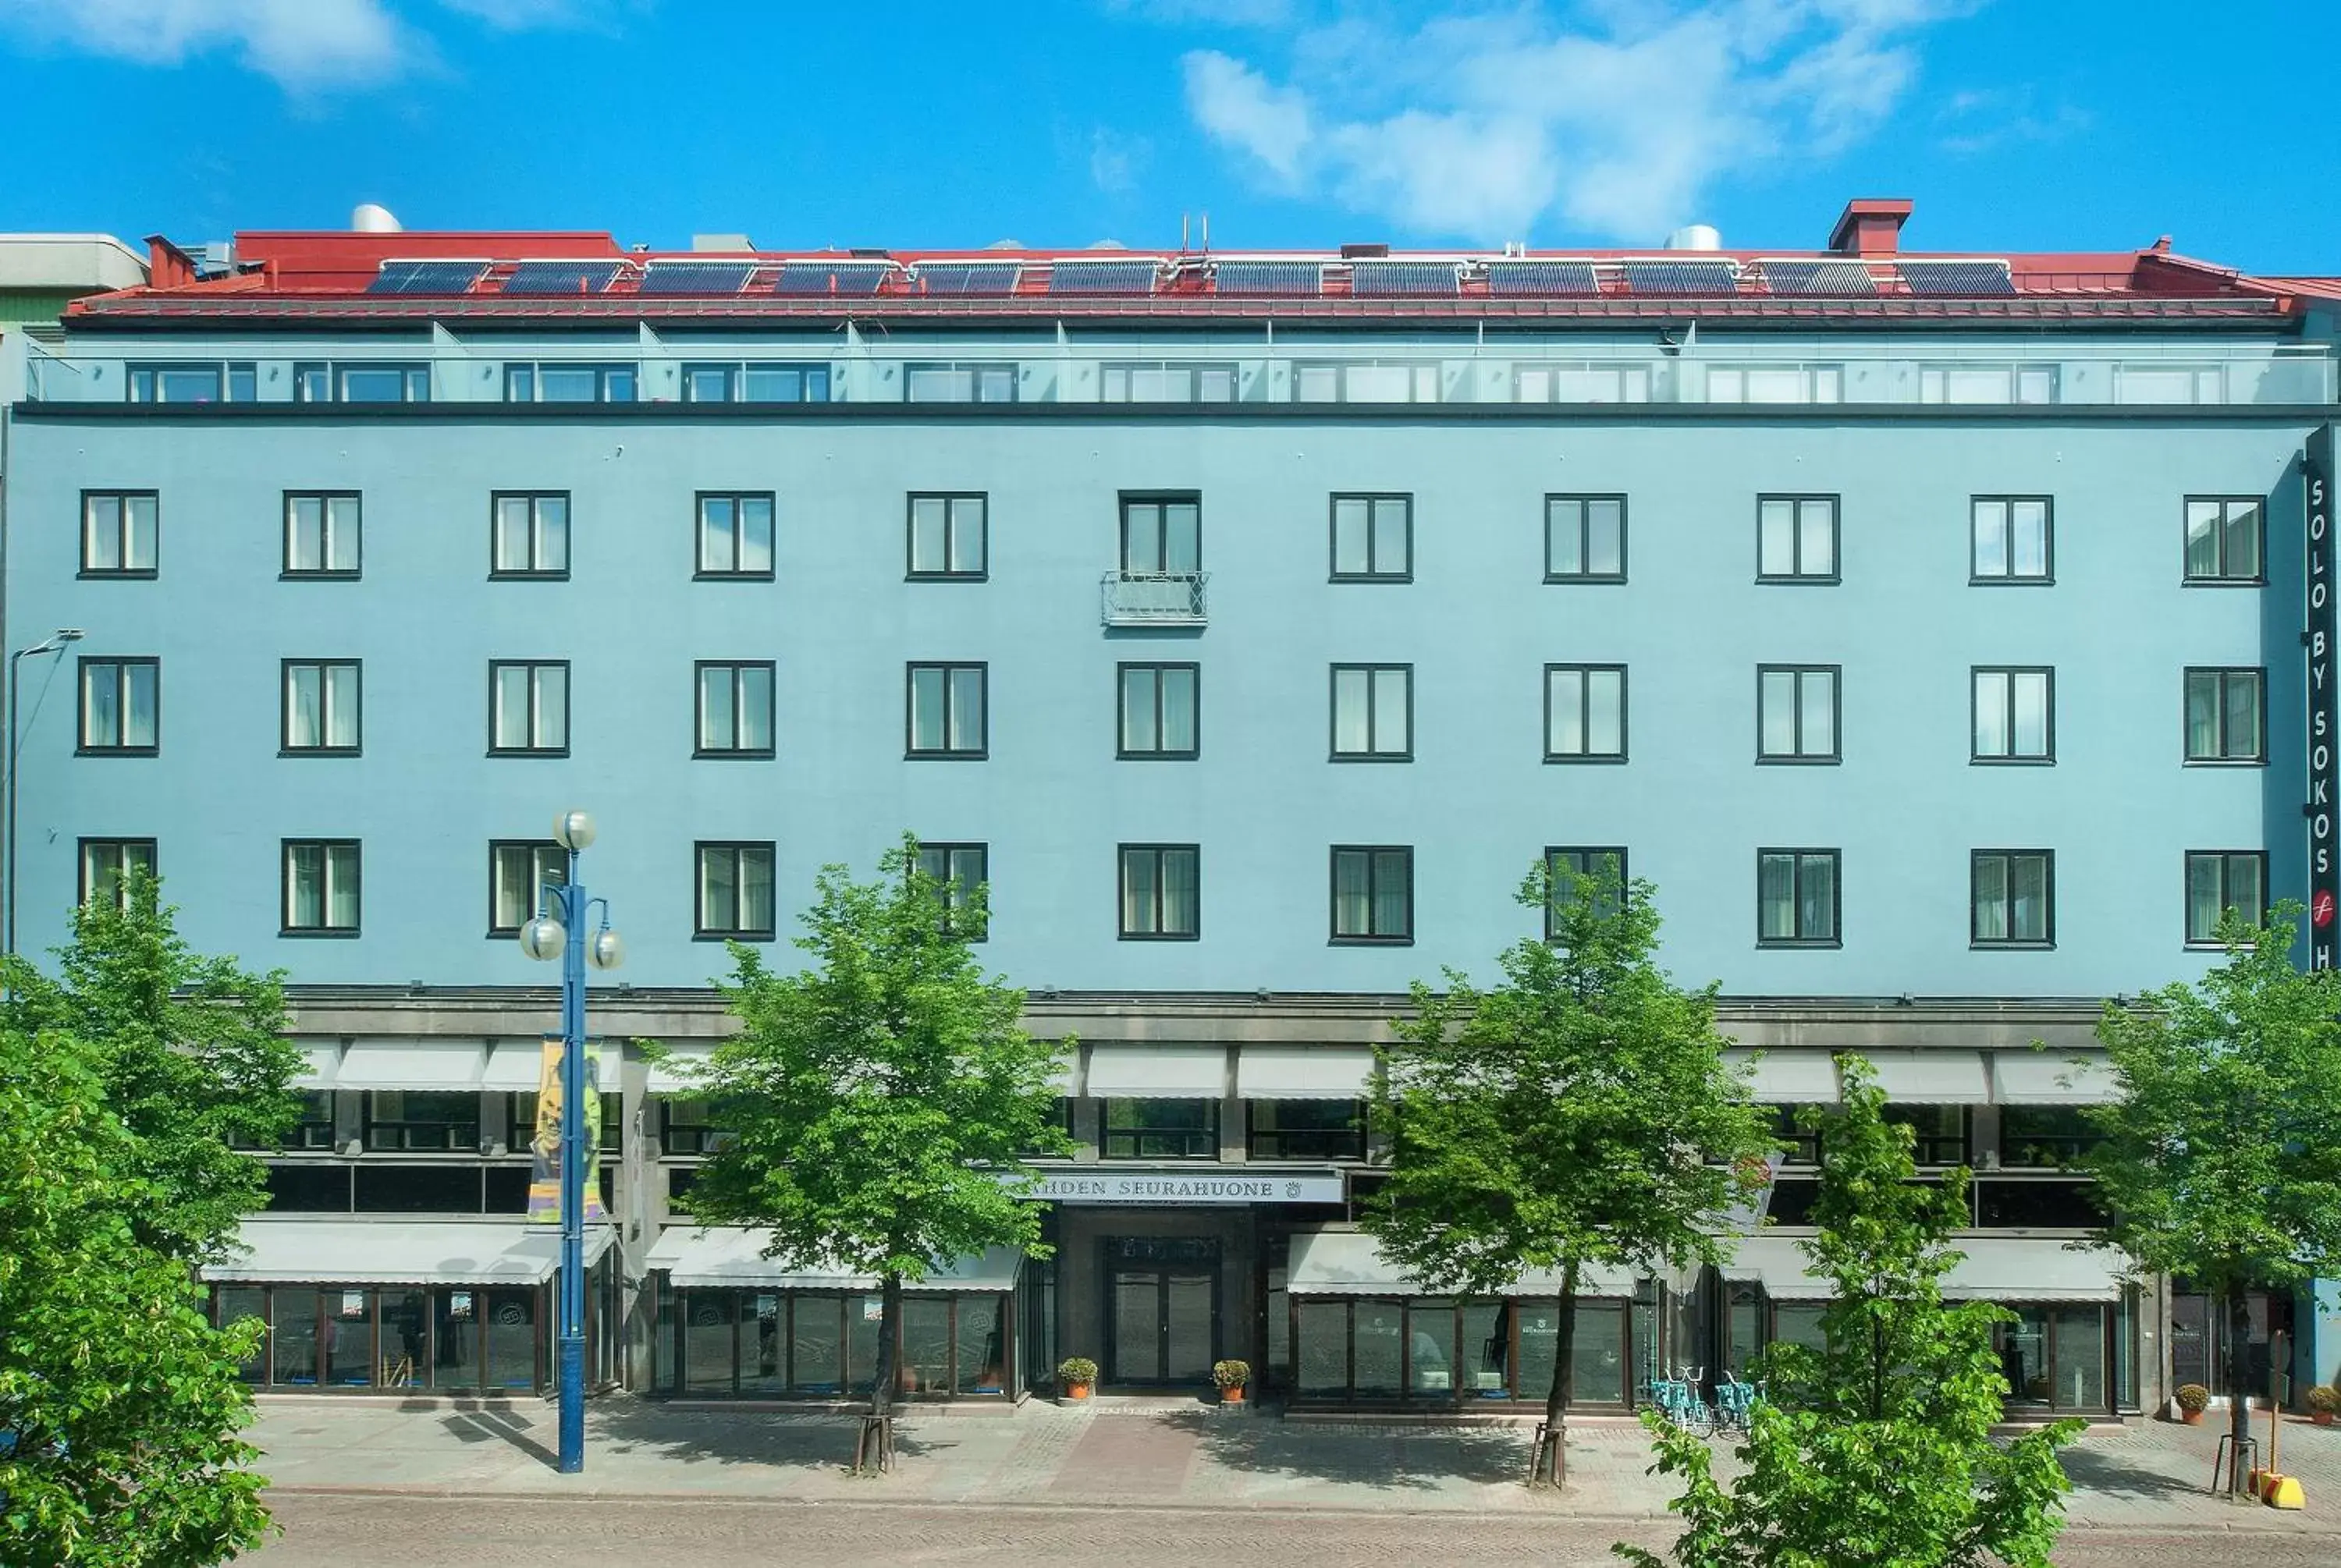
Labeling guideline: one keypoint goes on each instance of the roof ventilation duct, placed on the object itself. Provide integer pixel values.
(1694, 237)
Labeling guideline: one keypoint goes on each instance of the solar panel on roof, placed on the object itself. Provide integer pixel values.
(696, 278)
(1958, 280)
(1417, 279)
(561, 277)
(426, 277)
(1268, 277)
(1839, 279)
(858, 279)
(970, 277)
(1542, 280)
(1124, 275)
(1679, 279)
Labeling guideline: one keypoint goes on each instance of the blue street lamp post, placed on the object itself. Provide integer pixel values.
(561, 930)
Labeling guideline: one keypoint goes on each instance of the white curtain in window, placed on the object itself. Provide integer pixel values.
(1390, 716)
(1817, 712)
(341, 887)
(1179, 891)
(1178, 710)
(1141, 895)
(966, 709)
(1393, 892)
(512, 707)
(1351, 710)
(1775, 898)
(1815, 537)
(1353, 893)
(138, 714)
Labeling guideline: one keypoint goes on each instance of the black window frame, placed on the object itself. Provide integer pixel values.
(537, 848)
(956, 888)
(284, 668)
(946, 752)
(1305, 1142)
(285, 847)
(1802, 854)
(2186, 577)
(150, 371)
(1932, 1148)
(532, 573)
(1127, 499)
(2011, 758)
(1800, 758)
(1585, 716)
(1335, 937)
(1157, 669)
(1589, 856)
(1584, 501)
(1797, 576)
(288, 572)
(535, 706)
(700, 749)
(2259, 675)
(122, 665)
(1201, 1142)
(122, 500)
(950, 500)
(384, 1136)
(703, 572)
(121, 849)
(2011, 577)
(413, 380)
(979, 374)
(1158, 851)
(2209, 940)
(737, 849)
(1373, 672)
(1370, 500)
(2043, 943)
(530, 374)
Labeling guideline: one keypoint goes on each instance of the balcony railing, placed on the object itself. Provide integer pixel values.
(1153, 598)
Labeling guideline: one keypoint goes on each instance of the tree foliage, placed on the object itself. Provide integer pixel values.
(1579, 1113)
(1875, 1451)
(878, 1104)
(119, 1403)
(189, 1052)
(2221, 1160)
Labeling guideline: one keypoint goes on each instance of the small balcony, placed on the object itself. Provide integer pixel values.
(1153, 598)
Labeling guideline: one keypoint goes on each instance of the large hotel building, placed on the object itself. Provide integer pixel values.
(1929, 627)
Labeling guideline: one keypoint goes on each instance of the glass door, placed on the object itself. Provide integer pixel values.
(1189, 1327)
(1163, 1318)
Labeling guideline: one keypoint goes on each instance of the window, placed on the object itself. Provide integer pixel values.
(1159, 712)
(1373, 539)
(1938, 1133)
(959, 383)
(120, 532)
(2218, 880)
(414, 1119)
(1585, 539)
(1804, 1142)
(1563, 864)
(946, 706)
(1165, 382)
(1161, 535)
(1365, 383)
(735, 708)
(962, 871)
(321, 888)
(106, 865)
(1373, 712)
(2159, 384)
(1985, 383)
(2015, 715)
(1585, 382)
(948, 538)
(755, 382)
(2224, 712)
(1795, 539)
(554, 381)
(1160, 1130)
(1796, 898)
(382, 384)
(175, 383)
(2010, 540)
(313, 382)
(528, 707)
(1373, 893)
(735, 535)
(320, 534)
(2224, 535)
(1585, 713)
(684, 1129)
(531, 534)
(321, 699)
(1796, 713)
(2014, 899)
(1307, 1129)
(734, 898)
(518, 869)
(1776, 383)
(1162, 898)
(121, 702)
(2044, 1137)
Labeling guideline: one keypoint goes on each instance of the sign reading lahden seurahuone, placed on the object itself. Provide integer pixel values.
(1165, 1187)
(2324, 745)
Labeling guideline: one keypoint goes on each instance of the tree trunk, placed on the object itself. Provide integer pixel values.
(890, 1334)
(1564, 1383)
(2239, 1416)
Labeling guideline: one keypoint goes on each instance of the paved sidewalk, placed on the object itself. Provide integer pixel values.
(2147, 1476)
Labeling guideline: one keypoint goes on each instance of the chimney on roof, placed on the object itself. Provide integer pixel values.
(167, 267)
(1870, 226)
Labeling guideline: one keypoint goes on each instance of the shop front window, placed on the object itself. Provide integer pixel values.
(1430, 1349)
(1539, 1330)
(1322, 1348)
(1599, 1368)
(239, 1304)
(1487, 1350)
(405, 1338)
(348, 1358)
(1378, 1330)
(455, 1337)
(1743, 1333)
(707, 1341)
(513, 1358)
(1799, 1323)
(297, 1339)
(979, 1352)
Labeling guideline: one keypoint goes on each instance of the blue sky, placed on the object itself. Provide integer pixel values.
(2014, 124)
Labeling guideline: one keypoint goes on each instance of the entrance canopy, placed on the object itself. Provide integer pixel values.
(398, 1251)
(1995, 1268)
(1348, 1263)
(728, 1256)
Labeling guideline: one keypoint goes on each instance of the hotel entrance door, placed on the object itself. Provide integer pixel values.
(1162, 1321)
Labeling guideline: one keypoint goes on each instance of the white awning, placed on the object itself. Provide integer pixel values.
(731, 1255)
(1788, 1077)
(1778, 1264)
(321, 1062)
(413, 1064)
(517, 1066)
(672, 1074)
(2052, 1079)
(1066, 1076)
(400, 1252)
(1932, 1077)
(1995, 1268)
(1304, 1072)
(1158, 1072)
(1348, 1263)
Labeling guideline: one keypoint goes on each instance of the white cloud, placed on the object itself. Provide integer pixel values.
(518, 15)
(1115, 160)
(1210, 13)
(1617, 120)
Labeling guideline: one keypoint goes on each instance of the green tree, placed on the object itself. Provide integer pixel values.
(2221, 1161)
(1578, 1113)
(190, 1051)
(119, 1403)
(879, 1103)
(1876, 1450)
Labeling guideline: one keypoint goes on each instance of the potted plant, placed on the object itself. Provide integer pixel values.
(2193, 1398)
(1231, 1376)
(2323, 1405)
(1077, 1375)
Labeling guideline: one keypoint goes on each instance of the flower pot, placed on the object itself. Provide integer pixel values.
(1232, 1395)
(2322, 1417)
(2191, 1417)
(1077, 1390)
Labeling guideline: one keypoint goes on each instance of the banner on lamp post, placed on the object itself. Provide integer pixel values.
(544, 1149)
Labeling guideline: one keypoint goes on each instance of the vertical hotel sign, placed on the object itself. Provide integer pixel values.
(2323, 744)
